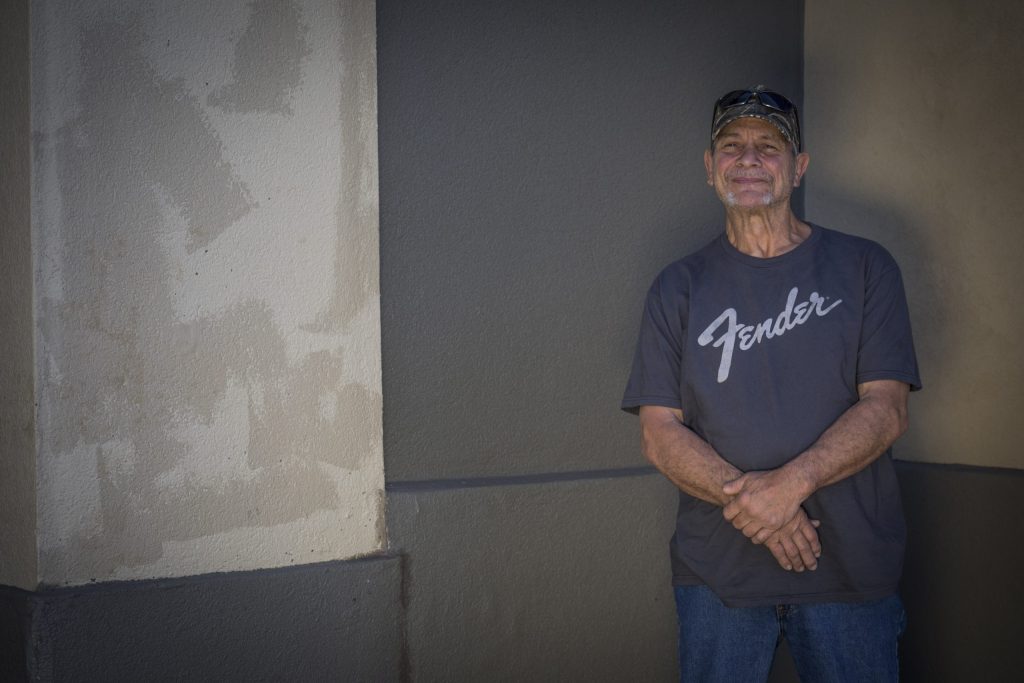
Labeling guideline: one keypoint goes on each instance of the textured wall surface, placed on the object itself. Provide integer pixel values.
(540, 163)
(205, 216)
(962, 578)
(17, 426)
(15, 634)
(914, 141)
(539, 582)
(335, 621)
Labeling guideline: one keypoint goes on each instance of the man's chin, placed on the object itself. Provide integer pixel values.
(748, 199)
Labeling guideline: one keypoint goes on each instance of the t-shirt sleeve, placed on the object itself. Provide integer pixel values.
(654, 379)
(886, 343)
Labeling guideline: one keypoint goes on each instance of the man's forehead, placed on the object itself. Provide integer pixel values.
(751, 124)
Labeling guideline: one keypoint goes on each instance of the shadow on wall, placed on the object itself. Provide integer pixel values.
(961, 577)
(928, 295)
(961, 580)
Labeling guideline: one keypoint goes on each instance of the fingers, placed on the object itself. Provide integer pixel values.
(809, 532)
(767, 513)
(753, 530)
(785, 553)
(795, 546)
(789, 553)
(776, 549)
(803, 547)
(742, 520)
(731, 510)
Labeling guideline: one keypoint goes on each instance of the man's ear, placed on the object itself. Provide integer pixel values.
(708, 165)
(802, 159)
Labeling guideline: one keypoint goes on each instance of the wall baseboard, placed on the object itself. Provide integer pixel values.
(323, 621)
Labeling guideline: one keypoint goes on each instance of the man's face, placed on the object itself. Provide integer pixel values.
(752, 166)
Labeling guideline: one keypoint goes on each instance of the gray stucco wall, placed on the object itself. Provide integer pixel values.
(540, 162)
(962, 576)
(538, 581)
(316, 622)
(935, 178)
(17, 372)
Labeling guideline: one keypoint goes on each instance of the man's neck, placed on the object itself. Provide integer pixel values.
(765, 234)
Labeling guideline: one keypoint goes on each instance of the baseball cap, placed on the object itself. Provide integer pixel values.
(759, 103)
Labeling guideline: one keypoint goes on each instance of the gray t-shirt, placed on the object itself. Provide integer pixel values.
(762, 356)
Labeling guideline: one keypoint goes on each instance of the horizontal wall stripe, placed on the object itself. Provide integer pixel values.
(956, 467)
(416, 486)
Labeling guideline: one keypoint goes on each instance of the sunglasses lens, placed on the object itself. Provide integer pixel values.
(775, 101)
(734, 98)
(768, 98)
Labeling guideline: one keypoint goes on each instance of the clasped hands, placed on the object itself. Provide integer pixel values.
(765, 506)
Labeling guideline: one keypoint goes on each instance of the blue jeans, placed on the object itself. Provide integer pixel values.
(829, 641)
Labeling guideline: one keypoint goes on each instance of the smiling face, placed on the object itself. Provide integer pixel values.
(752, 166)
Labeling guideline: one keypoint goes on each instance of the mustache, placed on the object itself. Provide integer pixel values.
(748, 176)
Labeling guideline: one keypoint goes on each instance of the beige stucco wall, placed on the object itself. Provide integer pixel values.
(911, 121)
(207, 311)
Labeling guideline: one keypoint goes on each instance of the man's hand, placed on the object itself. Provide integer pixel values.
(760, 499)
(763, 502)
(694, 466)
(795, 545)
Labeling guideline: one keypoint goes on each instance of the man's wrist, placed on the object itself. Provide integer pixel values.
(801, 476)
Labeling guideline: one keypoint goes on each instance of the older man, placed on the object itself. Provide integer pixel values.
(771, 377)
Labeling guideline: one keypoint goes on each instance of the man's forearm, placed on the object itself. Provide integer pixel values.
(763, 501)
(695, 467)
(854, 441)
(687, 460)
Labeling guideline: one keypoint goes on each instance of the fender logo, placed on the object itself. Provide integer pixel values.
(792, 315)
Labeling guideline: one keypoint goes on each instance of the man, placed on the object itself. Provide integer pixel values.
(771, 377)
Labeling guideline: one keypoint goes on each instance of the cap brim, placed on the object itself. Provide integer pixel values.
(753, 110)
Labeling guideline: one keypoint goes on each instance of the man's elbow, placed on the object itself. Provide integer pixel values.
(655, 426)
(901, 420)
(889, 399)
(648, 443)
(895, 418)
(659, 428)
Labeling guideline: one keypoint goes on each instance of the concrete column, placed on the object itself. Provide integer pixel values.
(204, 213)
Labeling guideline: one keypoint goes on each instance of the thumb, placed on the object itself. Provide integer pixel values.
(731, 488)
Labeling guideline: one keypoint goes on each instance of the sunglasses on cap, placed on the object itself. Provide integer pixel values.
(772, 100)
(758, 103)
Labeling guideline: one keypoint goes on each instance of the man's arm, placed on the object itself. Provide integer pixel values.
(763, 502)
(687, 460)
(692, 464)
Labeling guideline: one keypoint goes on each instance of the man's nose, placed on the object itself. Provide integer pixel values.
(749, 156)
